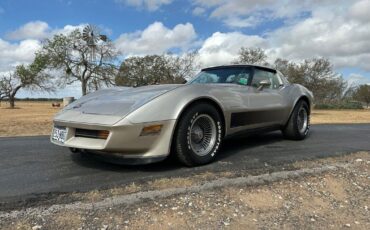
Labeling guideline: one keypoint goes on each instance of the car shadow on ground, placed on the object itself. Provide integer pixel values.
(231, 148)
(249, 141)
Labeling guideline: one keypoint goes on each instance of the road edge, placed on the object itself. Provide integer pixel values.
(134, 198)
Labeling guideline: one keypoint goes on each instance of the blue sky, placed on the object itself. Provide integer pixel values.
(117, 17)
(291, 29)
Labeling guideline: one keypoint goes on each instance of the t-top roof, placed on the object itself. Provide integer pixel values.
(238, 66)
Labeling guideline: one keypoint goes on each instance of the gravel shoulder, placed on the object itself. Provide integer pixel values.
(337, 197)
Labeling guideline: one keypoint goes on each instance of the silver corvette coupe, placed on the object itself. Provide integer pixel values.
(145, 124)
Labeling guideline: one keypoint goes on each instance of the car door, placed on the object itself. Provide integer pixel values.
(266, 105)
(229, 86)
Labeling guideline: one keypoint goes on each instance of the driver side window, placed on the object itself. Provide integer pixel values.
(241, 78)
(207, 78)
(261, 75)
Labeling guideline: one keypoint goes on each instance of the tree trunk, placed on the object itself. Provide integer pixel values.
(12, 96)
(84, 87)
(11, 102)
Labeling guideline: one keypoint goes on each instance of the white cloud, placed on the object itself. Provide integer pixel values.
(236, 13)
(28, 41)
(250, 21)
(156, 39)
(338, 32)
(199, 11)
(39, 30)
(67, 29)
(150, 5)
(222, 48)
(13, 54)
(360, 10)
(31, 30)
(333, 33)
(249, 13)
(208, 3)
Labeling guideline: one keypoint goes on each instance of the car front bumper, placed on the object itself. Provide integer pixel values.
(124, 140)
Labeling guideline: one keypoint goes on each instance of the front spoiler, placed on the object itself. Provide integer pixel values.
(119, 159)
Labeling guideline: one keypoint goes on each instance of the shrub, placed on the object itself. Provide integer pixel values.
(341, 105)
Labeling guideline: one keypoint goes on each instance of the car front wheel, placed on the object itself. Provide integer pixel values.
(298, 125)
(199, 135)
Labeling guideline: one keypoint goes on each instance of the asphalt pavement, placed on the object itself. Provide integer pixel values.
(32, 166)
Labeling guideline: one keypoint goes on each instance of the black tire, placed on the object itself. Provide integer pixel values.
(185, 146)
(294, 130)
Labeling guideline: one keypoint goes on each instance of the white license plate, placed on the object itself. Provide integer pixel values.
(59, 134)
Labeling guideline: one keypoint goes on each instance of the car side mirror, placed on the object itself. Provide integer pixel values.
(263, 84)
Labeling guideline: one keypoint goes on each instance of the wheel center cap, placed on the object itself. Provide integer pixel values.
(197, 134)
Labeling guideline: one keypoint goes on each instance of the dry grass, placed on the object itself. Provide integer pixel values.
(35, 118)
(340, 116)
(171, 183)
(68, 220)
(263, 198)
(27, 119)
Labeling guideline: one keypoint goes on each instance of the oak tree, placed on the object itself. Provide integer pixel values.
(157, 69)
(32, 77)
(318, 75)
(251, 56)
(362, 94)
(72, 55)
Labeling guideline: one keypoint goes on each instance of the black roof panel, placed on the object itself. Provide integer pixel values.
(238, 66)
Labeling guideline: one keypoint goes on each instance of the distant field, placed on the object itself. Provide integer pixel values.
(28, 119)
(35, 118)
(340, 116)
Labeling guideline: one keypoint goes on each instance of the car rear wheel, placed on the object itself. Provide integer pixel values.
(199, 135)
(298, 125)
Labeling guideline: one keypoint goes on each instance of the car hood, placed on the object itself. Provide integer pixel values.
(116, 102)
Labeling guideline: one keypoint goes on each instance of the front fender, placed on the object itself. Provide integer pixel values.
(297, 94)
(170, 105)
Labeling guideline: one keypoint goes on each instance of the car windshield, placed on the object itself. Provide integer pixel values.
(239, 75)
